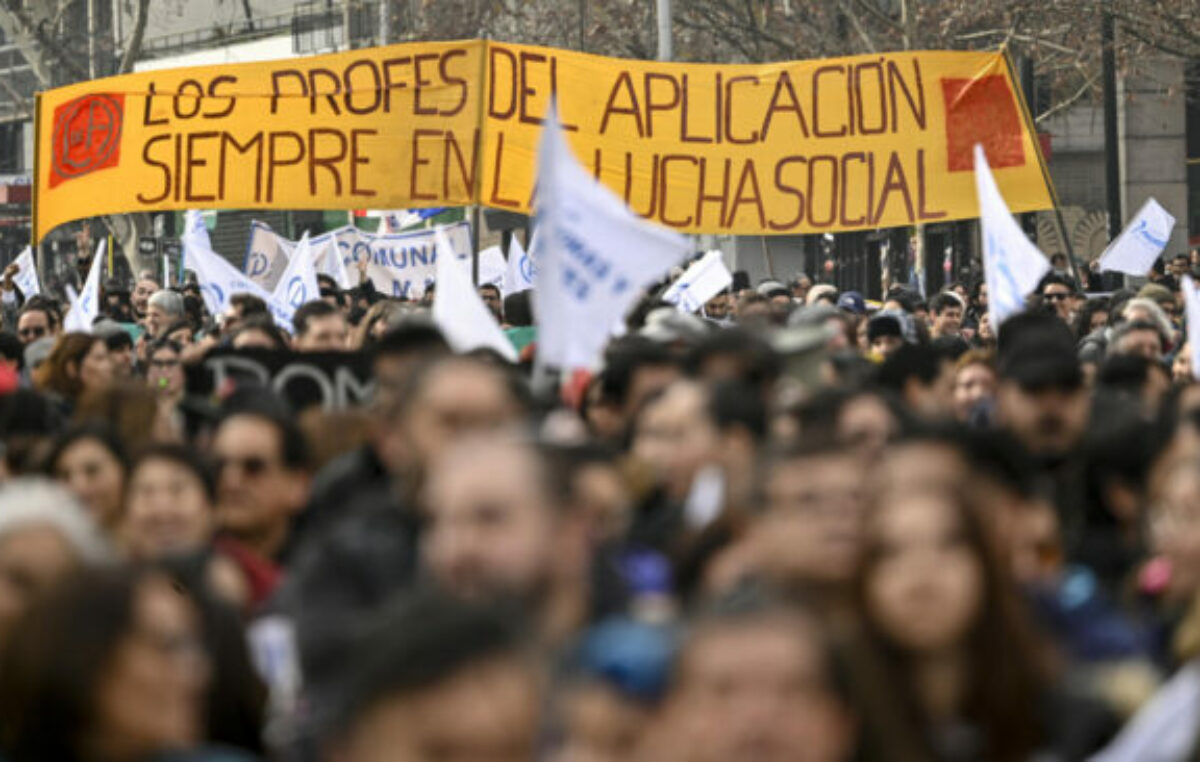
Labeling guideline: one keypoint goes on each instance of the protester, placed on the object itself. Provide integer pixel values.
(78, 363)
(803, 521)
(45, 536)
(262, 476)
(147, 285)
(320, 327)
(115, 664)
(163, 310)
(461, 683)
(38, 320)
(91, 462)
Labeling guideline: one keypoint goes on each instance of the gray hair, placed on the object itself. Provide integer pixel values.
(31, 502)
(1157, 316)
(168, 301)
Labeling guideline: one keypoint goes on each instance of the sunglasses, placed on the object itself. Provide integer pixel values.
(36, 332)
(251, 467)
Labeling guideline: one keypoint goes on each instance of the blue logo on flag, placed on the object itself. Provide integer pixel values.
(297, 294)
(257, 265)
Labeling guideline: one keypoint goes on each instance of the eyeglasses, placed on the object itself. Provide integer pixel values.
(36, 332)
(252, 467)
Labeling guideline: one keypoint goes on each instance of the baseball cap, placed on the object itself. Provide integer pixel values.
(853, 302)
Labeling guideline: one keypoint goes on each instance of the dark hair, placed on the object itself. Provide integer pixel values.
(163, 343)
(12, 349)
(943, 300)
(265, 325)
(317, 308)
(918, 361)
(326, 282)
(417, 642)
(56, 659)
(624, 358)
(265, 405)
(39, 303)
(70, 348)
(490, 287)
(236, 698)
(185, 457)
(734, 404)
(755, 604)
(1001, 703)
(758, 362)
(1054, 279)
(1124, 329)
(517, 310)
(93, 430)
(178, 325)
(412, 337)
(249, 304)
(1083, 319)
(118, 340)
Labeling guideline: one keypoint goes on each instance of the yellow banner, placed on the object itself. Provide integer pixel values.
(801, 147)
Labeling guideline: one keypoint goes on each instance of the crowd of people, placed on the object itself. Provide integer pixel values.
(795, 526)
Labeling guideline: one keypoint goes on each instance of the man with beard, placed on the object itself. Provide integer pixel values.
(502, 527)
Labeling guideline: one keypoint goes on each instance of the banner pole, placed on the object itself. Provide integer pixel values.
(34, 236)
(476, 196)
(1037, 150)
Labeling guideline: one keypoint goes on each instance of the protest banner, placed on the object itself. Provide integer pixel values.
(808, 146)
(332, 380)
(401, 264)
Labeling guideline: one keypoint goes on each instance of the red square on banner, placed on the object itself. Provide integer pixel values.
(87, 136)
(982, 110)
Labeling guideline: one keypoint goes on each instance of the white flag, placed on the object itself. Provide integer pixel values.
(27, 277)
(219, 281)
(299, 281)
(194, 229)
(707, 277)
(327, 260)
(267, 255)
(594, 257)
(85, 308)
(491, 268)
(459, 311)
(520, 272)
(1191, 300)
(1012, 265)
(1133, 252)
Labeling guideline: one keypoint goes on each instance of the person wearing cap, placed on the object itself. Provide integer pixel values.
(1041, 397)
(885, 333)
(854, 308)
(947, 311)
